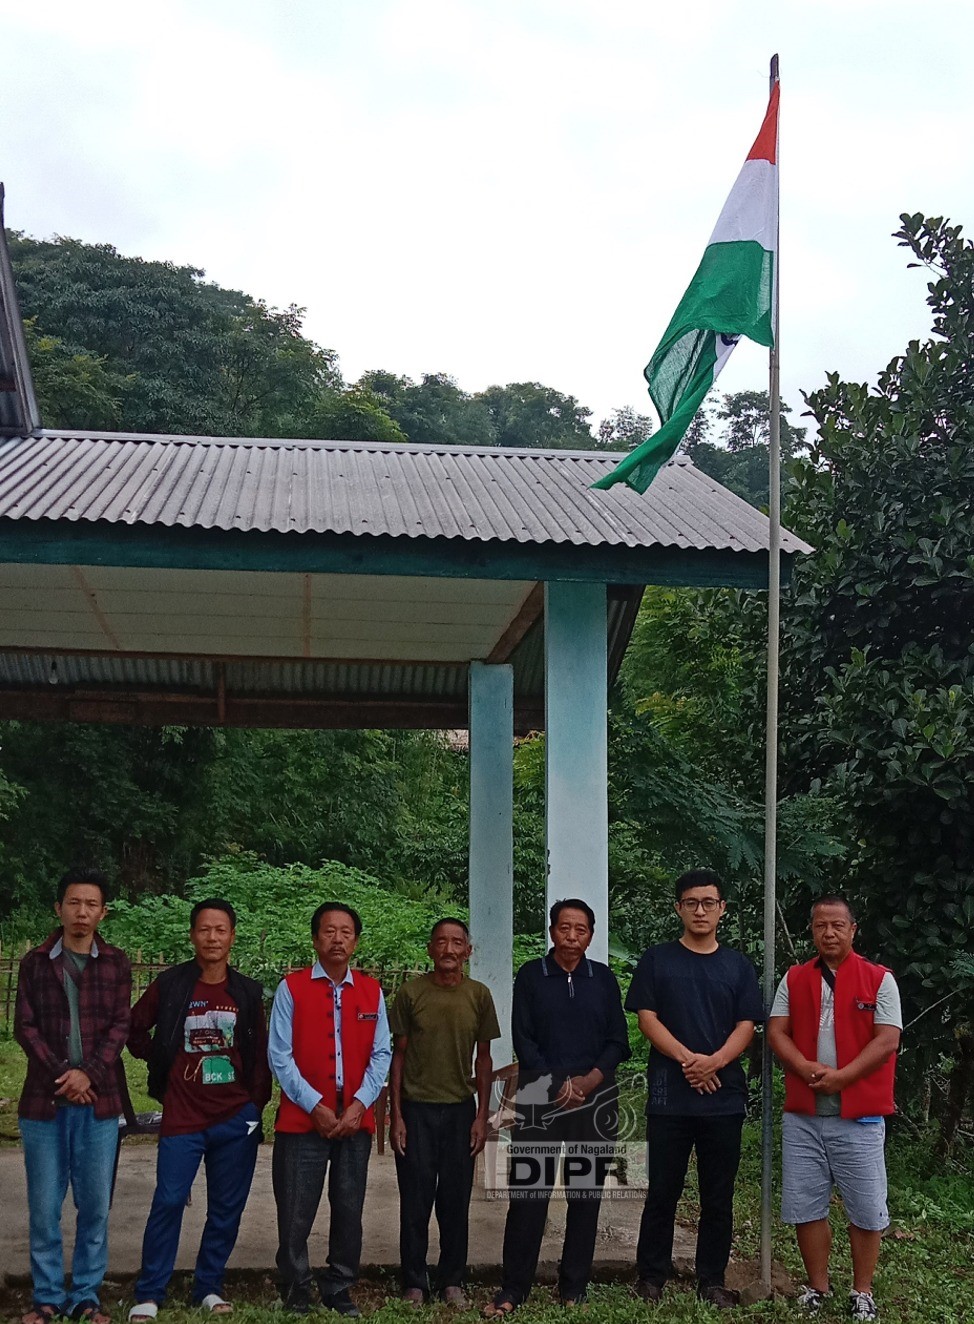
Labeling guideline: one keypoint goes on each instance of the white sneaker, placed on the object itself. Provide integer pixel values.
(862, 1305)
(810, 1299)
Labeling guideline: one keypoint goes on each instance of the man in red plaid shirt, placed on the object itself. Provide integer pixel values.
(72, 1019)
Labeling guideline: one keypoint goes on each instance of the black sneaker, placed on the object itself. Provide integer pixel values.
(651, 1292)
(342, 1304)
(296, 1303)
(721, 1297)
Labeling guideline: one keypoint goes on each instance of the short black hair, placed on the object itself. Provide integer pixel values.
(87, 877)
(449, 919)
(323, 909)
(832, 899)
(572, 903)
(698, 878)
(213, 903)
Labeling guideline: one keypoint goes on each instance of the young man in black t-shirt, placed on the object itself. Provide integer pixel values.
(698, 1004)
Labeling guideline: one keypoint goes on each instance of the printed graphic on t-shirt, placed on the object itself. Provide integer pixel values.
(211, 1033)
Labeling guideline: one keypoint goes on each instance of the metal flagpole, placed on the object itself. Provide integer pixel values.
(771, 751)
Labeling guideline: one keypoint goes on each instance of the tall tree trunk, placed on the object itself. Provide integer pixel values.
(959, 1089)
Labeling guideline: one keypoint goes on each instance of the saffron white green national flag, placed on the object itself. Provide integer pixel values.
(731, 295)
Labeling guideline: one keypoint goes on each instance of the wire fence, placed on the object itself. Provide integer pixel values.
(145, 968)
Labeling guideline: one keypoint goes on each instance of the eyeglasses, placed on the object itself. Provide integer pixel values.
(707, 903)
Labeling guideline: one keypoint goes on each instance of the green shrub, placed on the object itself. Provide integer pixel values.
(274, 908)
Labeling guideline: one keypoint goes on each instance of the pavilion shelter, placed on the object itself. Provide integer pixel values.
(165, 579)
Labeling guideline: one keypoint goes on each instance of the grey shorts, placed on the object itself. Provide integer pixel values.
(818, 1152)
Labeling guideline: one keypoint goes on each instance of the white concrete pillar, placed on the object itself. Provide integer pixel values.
(492, 840)
(576, 755)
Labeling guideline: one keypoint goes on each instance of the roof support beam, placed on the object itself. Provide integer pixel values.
(44, 542)
(529, 611)
(576, 750)
(492, 839)
(172, 708)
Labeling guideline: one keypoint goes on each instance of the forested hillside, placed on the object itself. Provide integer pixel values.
(877, 739)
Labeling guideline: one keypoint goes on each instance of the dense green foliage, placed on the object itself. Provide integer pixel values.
(119, 342)
(877, 715)
(879, 690)
(274, 908)
(728, 439)
(877, 684)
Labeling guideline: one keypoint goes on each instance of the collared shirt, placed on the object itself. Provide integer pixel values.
(42, 1025)
(564, 1024)
(280, 1048)
(58, 948)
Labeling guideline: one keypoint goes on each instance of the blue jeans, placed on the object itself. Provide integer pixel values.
(77, 1148)
(229, 1154)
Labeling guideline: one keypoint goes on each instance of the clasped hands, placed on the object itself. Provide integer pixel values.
(822, 1079)
(700, 1072)
(75, 1086)
(332, 1127)
(576, 1089)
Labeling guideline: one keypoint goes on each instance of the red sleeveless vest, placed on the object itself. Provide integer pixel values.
(313, 1042)
(857, 982)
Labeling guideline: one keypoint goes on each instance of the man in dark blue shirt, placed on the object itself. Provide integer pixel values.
(698, 1004)
(569, 1034)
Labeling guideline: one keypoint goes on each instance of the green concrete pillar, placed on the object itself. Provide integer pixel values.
(576, 771)
(492, 840)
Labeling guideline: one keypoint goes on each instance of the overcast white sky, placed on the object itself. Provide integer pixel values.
(504, 190)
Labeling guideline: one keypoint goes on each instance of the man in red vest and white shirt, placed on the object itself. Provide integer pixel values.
(835, 1027)
(328, 1046)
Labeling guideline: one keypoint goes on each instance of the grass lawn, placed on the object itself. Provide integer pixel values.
(926, 1270)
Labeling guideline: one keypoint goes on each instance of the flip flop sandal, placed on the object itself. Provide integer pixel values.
(502, 1305)
(40, 1315)
(216, 1305)
(91, 1313)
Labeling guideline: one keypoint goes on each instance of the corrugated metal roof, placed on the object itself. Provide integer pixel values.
(456, 492)
(249, 677)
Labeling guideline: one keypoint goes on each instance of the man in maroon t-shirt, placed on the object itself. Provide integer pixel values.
(208, 1067)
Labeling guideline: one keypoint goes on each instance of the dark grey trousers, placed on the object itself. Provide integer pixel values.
(299, 1166)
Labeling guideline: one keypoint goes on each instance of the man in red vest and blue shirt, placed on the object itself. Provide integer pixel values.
(329, 1048)
(835, 1027)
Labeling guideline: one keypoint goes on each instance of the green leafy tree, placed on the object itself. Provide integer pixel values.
(176, 353)
(434, 411)
(129, 799)
(623, 430)
(878, 678)
(728, 439)
(274, 905)
(529, 415)
(690, 665)
(746, 419)
(75, 389)
(356, 414)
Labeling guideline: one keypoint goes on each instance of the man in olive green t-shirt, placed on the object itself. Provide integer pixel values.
(436, 1128)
